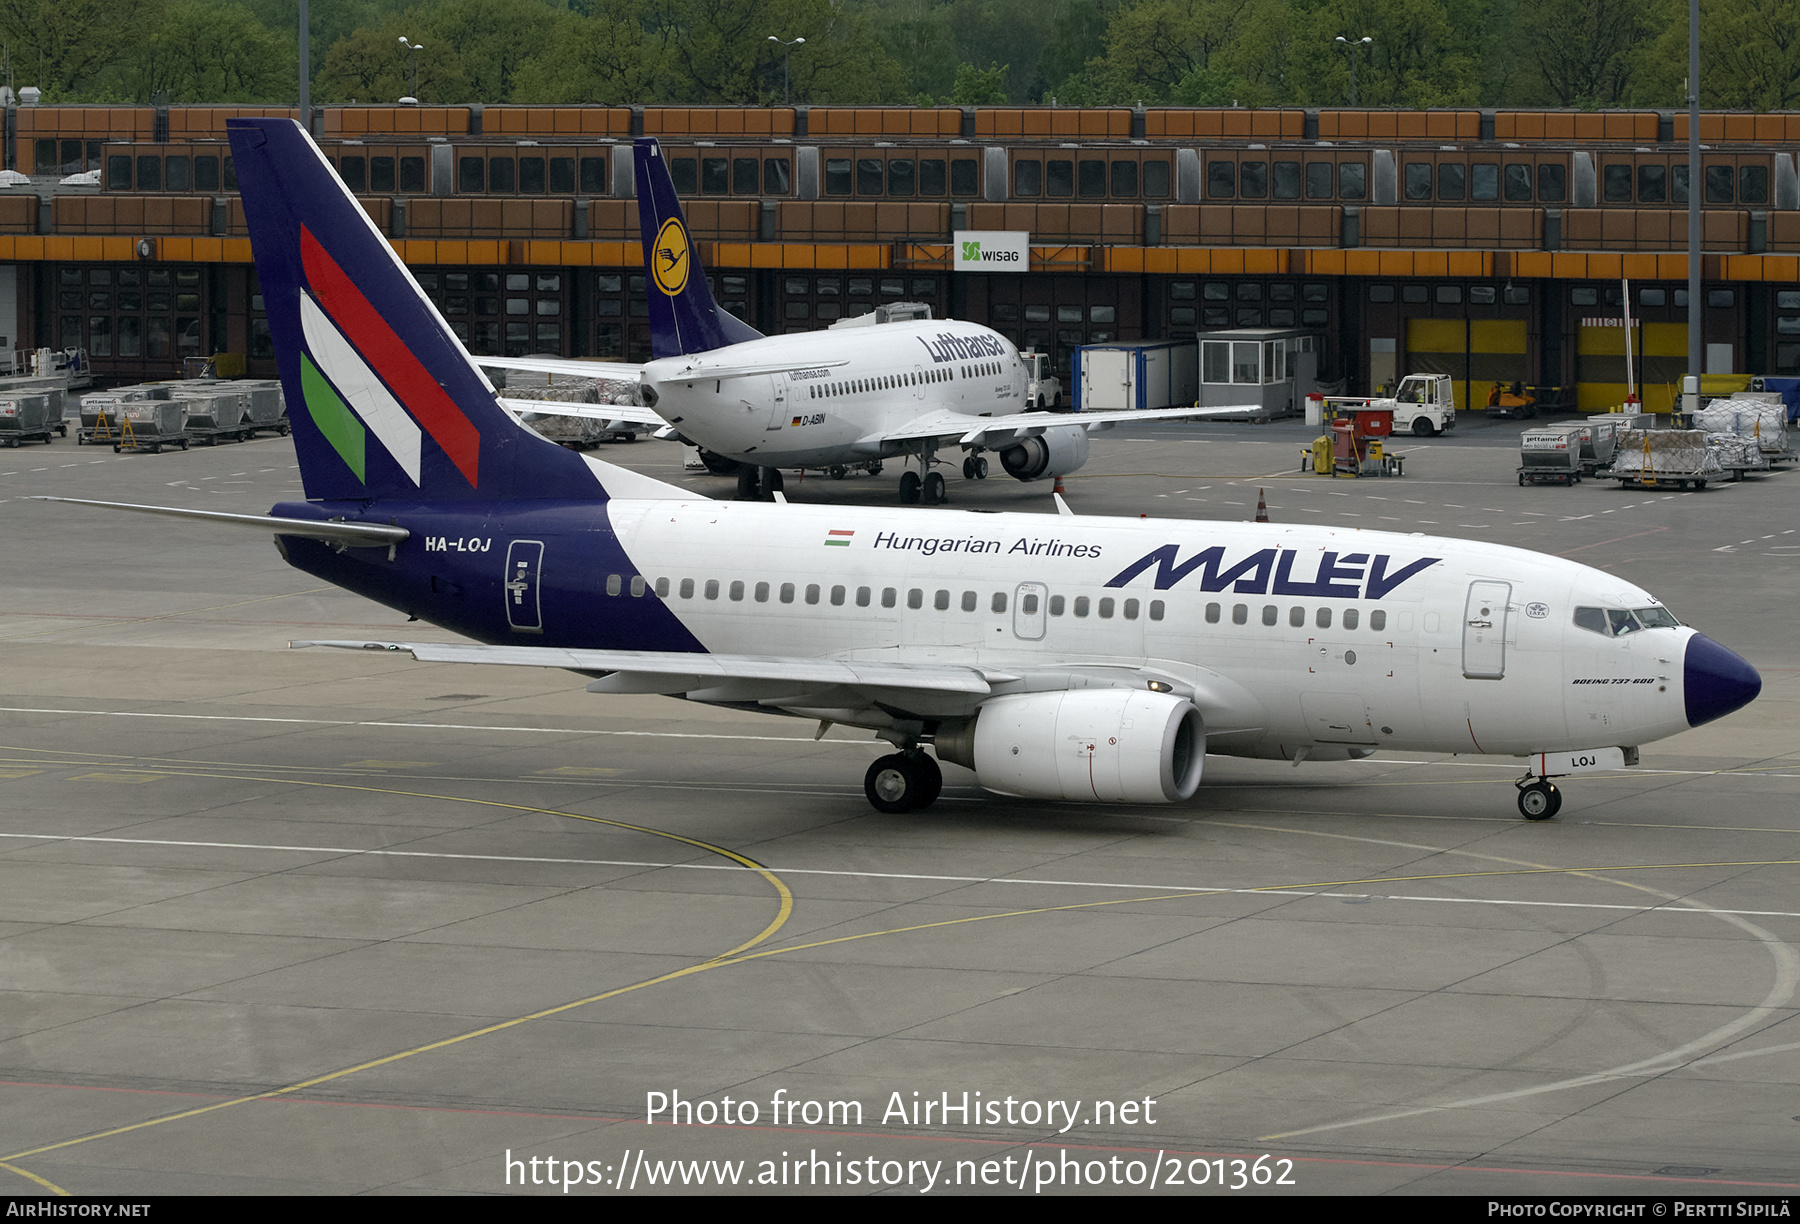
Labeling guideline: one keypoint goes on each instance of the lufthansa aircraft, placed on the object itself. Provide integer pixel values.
(1057, 656)
(846, 396)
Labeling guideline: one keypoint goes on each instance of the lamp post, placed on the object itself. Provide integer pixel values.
(786, 50)
(413, 49)
(1354, 47)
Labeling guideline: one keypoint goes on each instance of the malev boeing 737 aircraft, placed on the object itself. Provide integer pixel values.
(853, 394)
(1057, 656)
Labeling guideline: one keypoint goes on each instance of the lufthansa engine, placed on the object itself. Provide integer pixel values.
(1055, 452)
(1113, 745)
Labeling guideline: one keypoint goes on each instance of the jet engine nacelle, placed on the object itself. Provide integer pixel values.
(1055, 452)
(1115, 745)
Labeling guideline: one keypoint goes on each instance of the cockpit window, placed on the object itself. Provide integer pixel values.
(1617, 622)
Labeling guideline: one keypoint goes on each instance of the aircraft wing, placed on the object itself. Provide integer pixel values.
(927, 688)
(830, 689)
(565, 366)
(626, 414)
(1000, 431)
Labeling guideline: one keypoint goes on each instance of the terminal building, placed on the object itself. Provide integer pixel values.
(1493, 246)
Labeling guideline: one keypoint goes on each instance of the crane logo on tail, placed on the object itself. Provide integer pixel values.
(670, 264)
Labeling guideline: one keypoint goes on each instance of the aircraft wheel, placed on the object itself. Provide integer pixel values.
(1421, 428)
(837, 471)
(981, 468)
(1539, 801)
(969, 468)
(934, 493)
(893, 784)
(873, 467)
(909, 488)
(771, 482)
(746, 484)
(931, 779)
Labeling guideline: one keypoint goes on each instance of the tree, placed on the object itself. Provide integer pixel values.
(209, 51)
(608, 58)
(371, 66)
(62, 46)
(1749, 55)
(978, 87)
(1586, 53)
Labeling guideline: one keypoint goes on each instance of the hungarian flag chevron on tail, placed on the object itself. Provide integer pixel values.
(683, 316)
(384, 401)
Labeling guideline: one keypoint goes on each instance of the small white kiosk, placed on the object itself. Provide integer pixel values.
(1276, 368)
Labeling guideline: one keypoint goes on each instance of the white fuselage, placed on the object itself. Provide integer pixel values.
(869, 381)
(1377, 640)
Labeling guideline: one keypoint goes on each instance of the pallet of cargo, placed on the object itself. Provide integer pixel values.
(1658, 458)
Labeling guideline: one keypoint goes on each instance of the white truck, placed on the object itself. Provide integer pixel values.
(1042, 388)
(1423, 404)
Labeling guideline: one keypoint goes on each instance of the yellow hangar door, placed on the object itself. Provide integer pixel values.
(1658, 351)
(1475, 353)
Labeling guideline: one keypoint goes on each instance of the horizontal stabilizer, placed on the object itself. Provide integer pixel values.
(356, 535)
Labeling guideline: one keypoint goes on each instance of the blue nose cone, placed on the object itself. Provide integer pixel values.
(1715, 681)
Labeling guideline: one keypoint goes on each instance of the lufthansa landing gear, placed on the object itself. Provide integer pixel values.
(1538, 800)
(903, 781)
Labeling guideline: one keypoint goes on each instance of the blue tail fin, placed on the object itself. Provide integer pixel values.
(683, 316)
(383, 399)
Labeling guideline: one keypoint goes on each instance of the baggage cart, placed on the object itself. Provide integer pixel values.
(265, 410)
(102, 413)
(211, 412)
(150, 425)
(26, 418)
(1551, 454)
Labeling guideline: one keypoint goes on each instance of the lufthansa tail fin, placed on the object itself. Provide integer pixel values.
(683, 316)
(384, 400)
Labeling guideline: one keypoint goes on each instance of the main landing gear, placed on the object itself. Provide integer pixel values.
(758, 483)
(929, 489)
(1538, 800)
(903, 781)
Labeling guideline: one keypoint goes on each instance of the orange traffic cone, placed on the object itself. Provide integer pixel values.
(1058, 486)
(1262, 507)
